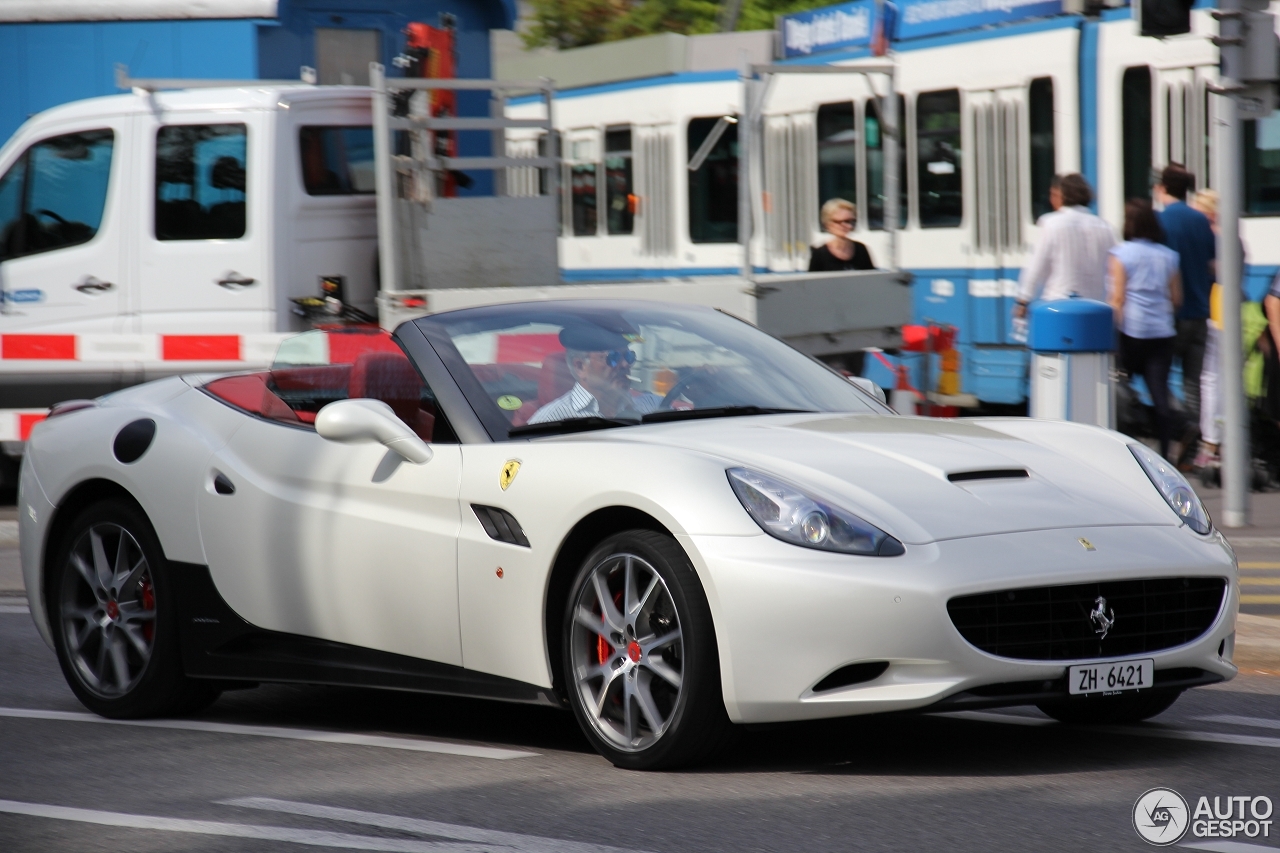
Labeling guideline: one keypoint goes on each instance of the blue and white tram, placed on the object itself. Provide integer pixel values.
(989, 116)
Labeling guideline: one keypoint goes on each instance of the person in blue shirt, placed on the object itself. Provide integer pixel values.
(1187, 232)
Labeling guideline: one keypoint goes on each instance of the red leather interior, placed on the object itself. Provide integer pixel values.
(250, 392)
(389, 377)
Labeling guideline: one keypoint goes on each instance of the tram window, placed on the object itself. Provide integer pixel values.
(619, 193)
(875, 168)
(837, 153)
(584, 187)
(713, 188)
(938, 152)
(1040, 112)
(1135, 107)
(1262, 166)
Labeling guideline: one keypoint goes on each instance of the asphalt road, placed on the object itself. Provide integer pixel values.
(310, 768)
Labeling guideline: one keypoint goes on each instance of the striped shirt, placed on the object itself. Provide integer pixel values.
(1071, 257)
(579, 403)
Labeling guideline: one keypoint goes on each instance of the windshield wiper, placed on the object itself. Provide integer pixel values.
(717, 412)
(570, 425)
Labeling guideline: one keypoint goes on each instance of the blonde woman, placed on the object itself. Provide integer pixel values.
(841, 251)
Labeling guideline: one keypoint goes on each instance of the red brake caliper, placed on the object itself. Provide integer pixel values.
(148, 597)
(604, 649)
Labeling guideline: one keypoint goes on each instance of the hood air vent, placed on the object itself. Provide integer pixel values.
(989, 474)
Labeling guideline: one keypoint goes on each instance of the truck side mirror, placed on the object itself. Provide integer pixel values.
(360, 421)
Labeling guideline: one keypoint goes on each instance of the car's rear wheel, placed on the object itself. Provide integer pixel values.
(114, 618)
(640, 659)
(1111, 710)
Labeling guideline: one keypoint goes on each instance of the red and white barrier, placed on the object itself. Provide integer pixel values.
(16, 424)
(19, 350)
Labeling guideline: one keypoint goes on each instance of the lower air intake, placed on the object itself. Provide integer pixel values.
(1062, 622)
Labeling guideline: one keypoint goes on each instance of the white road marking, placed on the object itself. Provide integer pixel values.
(1227, 847)
(276, 732)
(1233, 720)
(1140, 731)
(312, 837)
(14, 608)
(505, 840)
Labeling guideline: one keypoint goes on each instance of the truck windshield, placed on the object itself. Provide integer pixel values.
(545, 368)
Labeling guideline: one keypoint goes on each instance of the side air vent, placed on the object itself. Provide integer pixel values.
(990, 474)
(500, 525)
(854, 673)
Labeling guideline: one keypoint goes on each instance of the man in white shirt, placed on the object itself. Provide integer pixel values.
(600, 361)
(1071, 256)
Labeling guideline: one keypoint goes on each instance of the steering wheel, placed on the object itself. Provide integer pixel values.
(683, 384)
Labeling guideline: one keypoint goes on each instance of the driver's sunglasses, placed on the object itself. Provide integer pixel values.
(613, 359)
(849, 222)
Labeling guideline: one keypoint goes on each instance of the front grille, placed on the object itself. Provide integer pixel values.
(1054, 622)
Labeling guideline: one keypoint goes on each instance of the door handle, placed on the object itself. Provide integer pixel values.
(222, 485)
(234, 281)
(92, 284)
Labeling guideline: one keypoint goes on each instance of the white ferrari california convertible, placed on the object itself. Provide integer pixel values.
(657, 516)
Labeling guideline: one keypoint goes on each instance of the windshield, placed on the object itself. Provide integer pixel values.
(544, 368)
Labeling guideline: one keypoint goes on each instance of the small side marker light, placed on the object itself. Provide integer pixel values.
(499, 572)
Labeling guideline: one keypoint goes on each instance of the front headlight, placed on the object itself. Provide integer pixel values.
(786, 513)
(1173, 487)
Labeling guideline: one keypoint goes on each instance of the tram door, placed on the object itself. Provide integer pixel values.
(790, 197)
(1000, 219)
(1184, 126)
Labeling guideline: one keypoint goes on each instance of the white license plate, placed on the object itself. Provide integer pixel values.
(1111, 677)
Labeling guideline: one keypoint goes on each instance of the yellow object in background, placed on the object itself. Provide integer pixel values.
(949, 383)
(1215, 305)
(950, 360)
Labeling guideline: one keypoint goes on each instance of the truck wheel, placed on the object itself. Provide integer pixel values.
(114, 618)
(640, 661)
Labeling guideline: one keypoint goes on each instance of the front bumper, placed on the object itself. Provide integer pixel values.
(786, 617)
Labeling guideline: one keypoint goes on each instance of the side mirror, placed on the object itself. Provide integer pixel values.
(870, 387)
(359, 421)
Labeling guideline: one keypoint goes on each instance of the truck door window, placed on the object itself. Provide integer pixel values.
(54, 195)
(336, 160)
(200, 182)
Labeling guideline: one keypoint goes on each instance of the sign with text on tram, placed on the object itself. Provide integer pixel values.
(849, 25)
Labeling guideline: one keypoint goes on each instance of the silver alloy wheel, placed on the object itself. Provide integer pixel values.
(627, 652)
(108, 610)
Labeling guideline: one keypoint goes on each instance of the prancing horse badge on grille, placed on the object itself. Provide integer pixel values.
(1101, 619)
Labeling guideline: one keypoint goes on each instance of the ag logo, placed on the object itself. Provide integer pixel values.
(1160, 817)
(509, 471)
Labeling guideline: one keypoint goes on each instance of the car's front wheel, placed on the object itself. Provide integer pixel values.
(640, 659)
(114, 618)
(1112, 710)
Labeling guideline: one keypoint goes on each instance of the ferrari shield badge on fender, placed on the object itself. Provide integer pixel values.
(509, 470)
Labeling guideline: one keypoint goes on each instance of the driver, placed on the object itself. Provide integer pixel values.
(600, 362)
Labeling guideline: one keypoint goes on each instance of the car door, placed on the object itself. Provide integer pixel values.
(342, 542)
(63, 226)
(204, 241)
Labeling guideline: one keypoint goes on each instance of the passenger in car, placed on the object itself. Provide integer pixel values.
(600, 361)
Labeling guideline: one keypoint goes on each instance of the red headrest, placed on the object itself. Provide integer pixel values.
(555, 380)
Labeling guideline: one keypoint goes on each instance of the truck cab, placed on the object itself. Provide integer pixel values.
(164, 232)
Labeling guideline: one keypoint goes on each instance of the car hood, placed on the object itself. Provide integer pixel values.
(897, 472)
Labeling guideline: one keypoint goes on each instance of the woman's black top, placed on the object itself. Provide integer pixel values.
(821, 259)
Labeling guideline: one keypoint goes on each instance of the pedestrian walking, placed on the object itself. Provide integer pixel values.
(1145, 292)
(1187, 232)
(1071, 255)
(841, 252)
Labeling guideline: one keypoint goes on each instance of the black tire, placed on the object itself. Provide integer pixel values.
(1111, 710)
(117, 639)
(628, 675)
